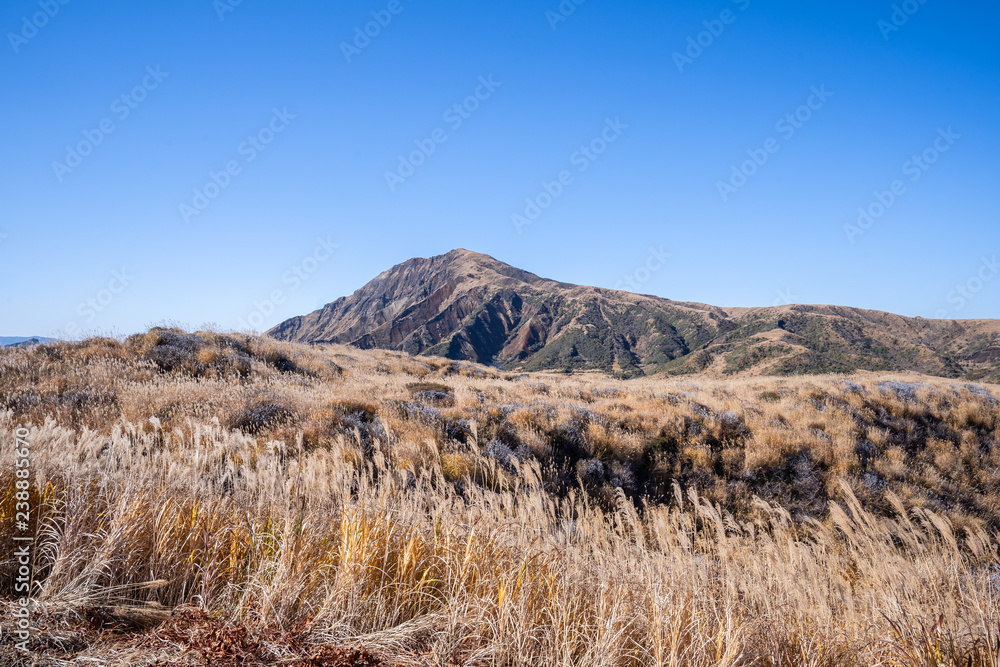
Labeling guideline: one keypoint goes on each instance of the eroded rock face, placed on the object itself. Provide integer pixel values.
(465, 305)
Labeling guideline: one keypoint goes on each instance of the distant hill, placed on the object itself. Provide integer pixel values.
(466, 305)
(18, 341)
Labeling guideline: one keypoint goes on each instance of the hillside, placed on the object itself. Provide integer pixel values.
(733, 438)
(207, 498)
(469, 306)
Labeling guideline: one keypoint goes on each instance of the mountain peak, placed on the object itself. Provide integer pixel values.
(460, 265)
(462, 253)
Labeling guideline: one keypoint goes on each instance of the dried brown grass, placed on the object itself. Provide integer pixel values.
(527, 520)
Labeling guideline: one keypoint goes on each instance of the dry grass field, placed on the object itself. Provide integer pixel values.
(210, 499)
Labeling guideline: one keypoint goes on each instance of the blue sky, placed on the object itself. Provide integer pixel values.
(666, 122)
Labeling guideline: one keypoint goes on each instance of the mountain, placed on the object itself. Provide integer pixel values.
(23, 341)
(466, 305)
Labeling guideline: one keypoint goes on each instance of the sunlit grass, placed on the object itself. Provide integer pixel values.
(363, 517)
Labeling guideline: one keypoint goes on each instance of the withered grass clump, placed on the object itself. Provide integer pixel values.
(318, 494)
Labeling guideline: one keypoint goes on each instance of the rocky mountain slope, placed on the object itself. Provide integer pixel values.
(465, 305)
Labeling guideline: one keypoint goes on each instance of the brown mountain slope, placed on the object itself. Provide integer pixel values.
(465, 305)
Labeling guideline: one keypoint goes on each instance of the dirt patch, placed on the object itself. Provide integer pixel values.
(228, 645)
(190, 637)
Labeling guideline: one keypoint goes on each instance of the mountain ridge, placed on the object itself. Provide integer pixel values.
(467, 305)
(16, 341)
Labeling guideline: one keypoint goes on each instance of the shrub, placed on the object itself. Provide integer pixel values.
(261, 414)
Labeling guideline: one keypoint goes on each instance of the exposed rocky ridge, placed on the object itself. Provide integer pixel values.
(465, 305)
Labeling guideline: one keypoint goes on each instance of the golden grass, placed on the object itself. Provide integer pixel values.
(565, 521)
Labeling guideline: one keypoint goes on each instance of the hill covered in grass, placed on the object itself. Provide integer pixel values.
(791, 440)
(228, 499)
(468, 306)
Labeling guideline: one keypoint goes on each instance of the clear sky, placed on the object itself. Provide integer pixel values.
(238, 163)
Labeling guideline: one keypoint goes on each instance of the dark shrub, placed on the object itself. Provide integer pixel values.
(433, 393)
(260, 415)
